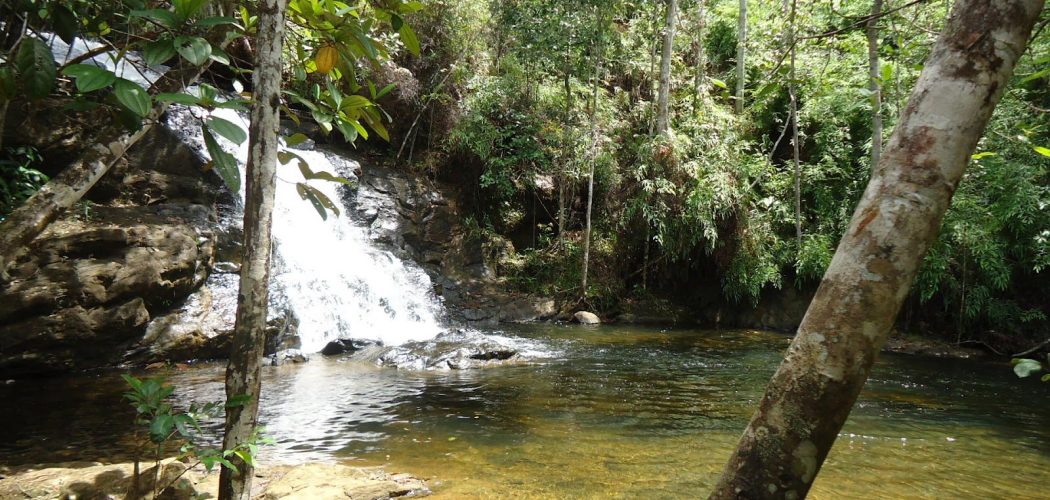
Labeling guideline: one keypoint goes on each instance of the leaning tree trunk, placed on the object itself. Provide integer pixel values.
(874, 82)
(243, 371)
(896, 221)
(741, 53)
(665, 68)
(109, 146)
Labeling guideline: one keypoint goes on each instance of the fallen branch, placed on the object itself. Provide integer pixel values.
(1034, 349)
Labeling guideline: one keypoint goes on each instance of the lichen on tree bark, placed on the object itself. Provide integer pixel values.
(896, 221)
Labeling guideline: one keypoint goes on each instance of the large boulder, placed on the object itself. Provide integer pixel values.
(87, 287)
(586, 318)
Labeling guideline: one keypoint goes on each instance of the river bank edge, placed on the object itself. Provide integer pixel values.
(314, 480)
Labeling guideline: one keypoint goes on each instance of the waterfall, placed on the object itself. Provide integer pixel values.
(332, 277)
(327, 272)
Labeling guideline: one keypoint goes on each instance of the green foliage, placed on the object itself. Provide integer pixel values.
(720, 44)
(19, 177)
(992, 244)
(718, 193)
(166, 425)
(356, 34)
(35, 68)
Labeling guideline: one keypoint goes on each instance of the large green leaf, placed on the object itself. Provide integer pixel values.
(179, 98)
(65, 23)
(317, 199)
(36, 67)
(296, 139)
(8, 85)
(409, 38)
(90, 77)
(194, 49)
(163, 17)
(225, 164)
(132, 96)
(158, 52)
(186, 9)
(228, 129)
(214, 21)
(308, 174)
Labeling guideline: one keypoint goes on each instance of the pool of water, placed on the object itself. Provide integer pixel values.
(605, 412)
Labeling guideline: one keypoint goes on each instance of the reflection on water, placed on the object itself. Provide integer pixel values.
(610, 412)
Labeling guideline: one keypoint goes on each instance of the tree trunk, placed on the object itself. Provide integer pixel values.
(811, 394)
(594, 157)
(69, 186)
(653, 84)
(874, 82)
(701, 55)
(741, 53)
(665, 68)
(792, 91)
(567, 150)
(243, 371)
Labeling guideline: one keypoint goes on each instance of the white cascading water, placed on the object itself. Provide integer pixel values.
(336, 282)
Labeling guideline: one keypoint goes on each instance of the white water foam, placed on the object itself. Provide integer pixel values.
(336, 282)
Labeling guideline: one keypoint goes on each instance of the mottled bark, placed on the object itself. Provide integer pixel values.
(243, 370)
(741, 56)
(874, 82)
(665, 68)
(109, 146)
(896, 221)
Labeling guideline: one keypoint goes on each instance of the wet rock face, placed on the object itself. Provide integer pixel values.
(421, 220)
(93, 285)
(455, 350)
(87, 287)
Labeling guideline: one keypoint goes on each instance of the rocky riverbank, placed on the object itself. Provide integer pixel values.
(92, 480)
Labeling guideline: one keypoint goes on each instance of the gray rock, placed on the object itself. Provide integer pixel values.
(527, 309)
(345, 346)
(86, 289)
(586, 318)
(288, 356)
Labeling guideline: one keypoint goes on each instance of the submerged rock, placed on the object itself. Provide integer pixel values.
(334, 481)
(586, 318)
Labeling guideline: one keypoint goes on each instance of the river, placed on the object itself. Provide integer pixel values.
(602, 412)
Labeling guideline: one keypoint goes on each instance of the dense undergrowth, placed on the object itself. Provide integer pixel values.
(515, 102)
(712, 204)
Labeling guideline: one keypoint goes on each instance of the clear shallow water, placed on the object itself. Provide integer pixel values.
(611, 412)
